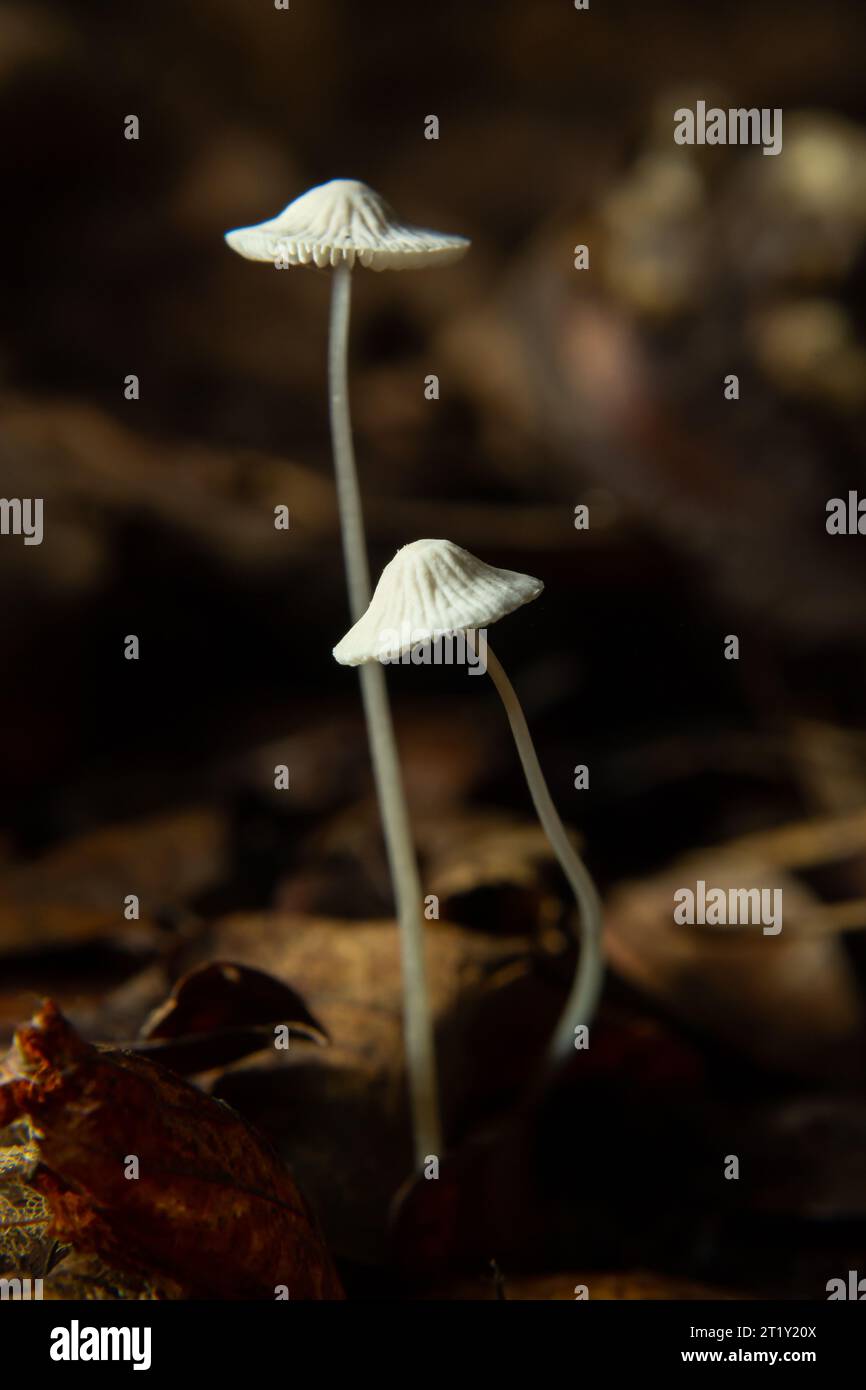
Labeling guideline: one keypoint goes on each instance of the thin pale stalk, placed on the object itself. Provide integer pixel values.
(417, 1023)
(582, 1000)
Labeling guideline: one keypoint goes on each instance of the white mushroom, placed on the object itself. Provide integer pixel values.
(433, 588)
(342, 222)
(338, 224)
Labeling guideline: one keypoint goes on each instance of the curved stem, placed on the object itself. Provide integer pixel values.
(581, 1002)
(417, 1024)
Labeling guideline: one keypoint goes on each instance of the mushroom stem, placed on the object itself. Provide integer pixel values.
(348, 488)
(417, 1024)
(581, 1002)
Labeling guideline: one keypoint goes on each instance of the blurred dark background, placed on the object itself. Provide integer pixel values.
(558, 387)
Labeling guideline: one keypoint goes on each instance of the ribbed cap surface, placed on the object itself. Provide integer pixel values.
(432, 586)
(344, 221)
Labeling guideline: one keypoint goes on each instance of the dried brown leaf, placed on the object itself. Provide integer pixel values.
(76, 892)
(220, 1012)
(212, 1208)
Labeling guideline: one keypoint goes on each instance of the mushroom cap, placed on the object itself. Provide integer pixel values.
(344, 221)
(434, 587)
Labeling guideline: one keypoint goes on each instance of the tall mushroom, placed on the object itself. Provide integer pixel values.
(337, 225)
(435, 589)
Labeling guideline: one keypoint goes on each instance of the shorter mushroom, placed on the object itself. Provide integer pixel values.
(432, 590)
